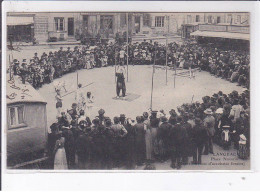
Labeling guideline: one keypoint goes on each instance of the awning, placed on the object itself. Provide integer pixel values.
(14, 20)
(230, 35)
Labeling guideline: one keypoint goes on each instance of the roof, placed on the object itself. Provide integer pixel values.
(18, 92)
(19, 20)
(229, 35)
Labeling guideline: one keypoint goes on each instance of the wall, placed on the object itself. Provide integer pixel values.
(33, 137)
(45, 25)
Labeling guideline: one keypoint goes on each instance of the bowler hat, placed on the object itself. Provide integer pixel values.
(95, 120)
(122, 115)
(163, 119)
(197, 121)
(101, 111)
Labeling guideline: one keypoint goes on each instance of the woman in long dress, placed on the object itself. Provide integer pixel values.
(60, 160)
(148, 138)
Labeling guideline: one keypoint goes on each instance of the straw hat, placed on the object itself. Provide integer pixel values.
(219, 111)
(208, 111)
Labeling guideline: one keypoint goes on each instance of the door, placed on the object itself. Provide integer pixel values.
(137, 24)
(70, 26)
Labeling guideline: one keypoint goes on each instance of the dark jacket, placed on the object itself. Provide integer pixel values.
(199, 134)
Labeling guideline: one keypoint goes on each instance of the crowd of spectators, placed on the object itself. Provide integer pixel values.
(232, 65)
(183, 136)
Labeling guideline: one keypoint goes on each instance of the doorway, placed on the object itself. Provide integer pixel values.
(137, 24)
(70, 26)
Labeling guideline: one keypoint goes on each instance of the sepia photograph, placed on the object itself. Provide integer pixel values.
(127, 91)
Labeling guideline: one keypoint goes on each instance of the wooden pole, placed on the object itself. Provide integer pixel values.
(115, 65)
(77, 80)
(174, 73)
(10, 68)
(166, 64)
(151, 105)
(127, 44)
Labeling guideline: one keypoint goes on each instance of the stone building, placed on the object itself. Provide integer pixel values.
(67, 26)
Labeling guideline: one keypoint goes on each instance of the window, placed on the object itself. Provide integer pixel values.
(197, 18)
(238, 19)
(188, 19)
(16, 115)
(106, 22)
(59, 24)
(85, 20)
(146, 20)
(159, 21)
(210, 19)
(123, 19)
(229, 19)
(218, 19)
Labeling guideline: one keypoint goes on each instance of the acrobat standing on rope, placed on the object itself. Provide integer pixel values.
(120, 81)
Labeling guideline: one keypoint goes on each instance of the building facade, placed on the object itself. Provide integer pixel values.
(67, 26)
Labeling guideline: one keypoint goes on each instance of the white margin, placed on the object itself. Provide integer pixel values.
(179, 180)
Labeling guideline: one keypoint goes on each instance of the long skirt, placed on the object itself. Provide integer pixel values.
(154, 141)
(242, 151)
(148, 144)
(60, 160)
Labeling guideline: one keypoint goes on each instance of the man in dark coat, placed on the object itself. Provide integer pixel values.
(140, 141)
(120, 133)
(187, 147)
(84, 148)
(98, 138)
(52, 138)
(172, 119)
(163, 134)
(69, 146)
(110, 145)
(199, 137)
(178, 136)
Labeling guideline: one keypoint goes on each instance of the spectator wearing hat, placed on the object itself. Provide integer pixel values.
(164, 140)
(173, 117)
(191, 120)
(36, 58)
(139, 141)
(98, 142)
(154, 124)
(23, 71)
(101, 116)
(16, 66)
(120, 132)
(187, 145)
(69, 146)
(178, 137)
(110, 145)
(73, 111)
(209, 123)
(148, 137)
(84, 148)
(52, 138)
(199, 137)
(218, 130)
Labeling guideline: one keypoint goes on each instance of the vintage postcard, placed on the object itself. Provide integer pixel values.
(98, 90)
